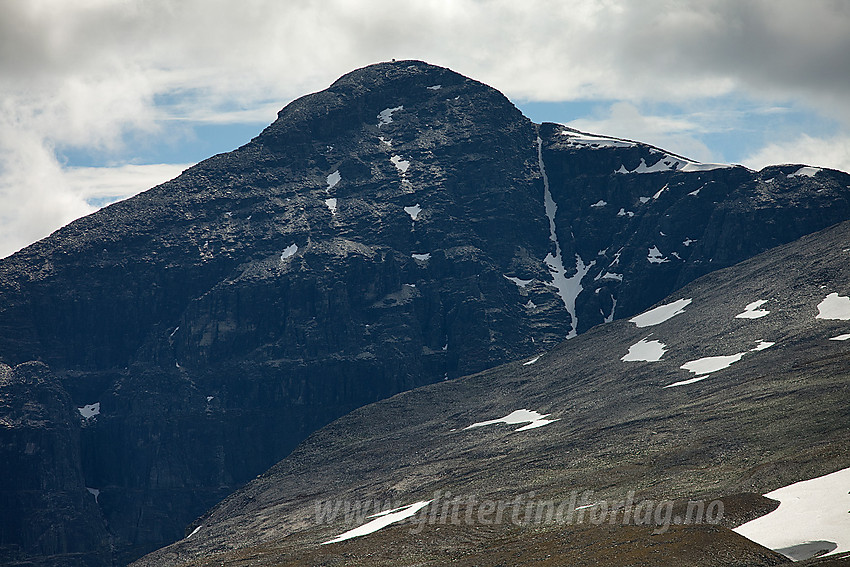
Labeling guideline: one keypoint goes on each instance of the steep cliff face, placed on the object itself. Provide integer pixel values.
(650, 221)
(406, 226)
(47, 511)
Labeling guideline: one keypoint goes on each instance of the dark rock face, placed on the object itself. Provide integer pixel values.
(47, 511)
(662, 228)
(362, 245)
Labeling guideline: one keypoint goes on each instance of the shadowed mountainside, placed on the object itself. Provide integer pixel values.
(772, 414)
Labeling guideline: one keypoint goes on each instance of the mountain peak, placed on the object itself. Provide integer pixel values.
(404, 227)
(378, 75)
(357, 98)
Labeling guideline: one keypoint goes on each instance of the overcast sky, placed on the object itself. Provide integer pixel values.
(100, 99)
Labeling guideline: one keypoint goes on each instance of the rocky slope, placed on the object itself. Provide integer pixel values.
(406, 226)
(613, 430)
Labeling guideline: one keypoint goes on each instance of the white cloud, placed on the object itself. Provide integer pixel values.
(831, 152)
(46, 196)
(103, 185)
(36, 194)
(624, 120)
(539, 49)
(35, 198)
(83, 74)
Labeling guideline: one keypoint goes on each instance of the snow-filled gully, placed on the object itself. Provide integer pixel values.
(568, 288)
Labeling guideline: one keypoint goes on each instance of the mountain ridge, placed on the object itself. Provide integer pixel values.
(380, 235)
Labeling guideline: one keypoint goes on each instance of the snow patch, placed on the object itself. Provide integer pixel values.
(688, 242)
(569, 288)
(664, 164)
(90, 410)
(752, 311)
(841, 337)
(695, 193)
(422, 257)
(655, 256)
(813, 512)
(532, 361)
(644, 200)
(609, 276)
(289, 251)
(693, 166)
(598, 204)
(711, 364)
(413, 211)
(645, 351)
(580, 139)
(834, 306)
(686, 382)
(382, 520)
(400, 164)
(94, 492)
(333, 179)
(616, 260)
(805, 172)
(670, 163)
(610, 316)
(518, 282)
(536, 424)
(331, 204)
(661, 313)
(624, 213)
(660, 191)
(533, 418)
(386, 115)
(434, 87)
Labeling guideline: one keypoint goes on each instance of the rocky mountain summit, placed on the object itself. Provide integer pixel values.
(404, 227)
